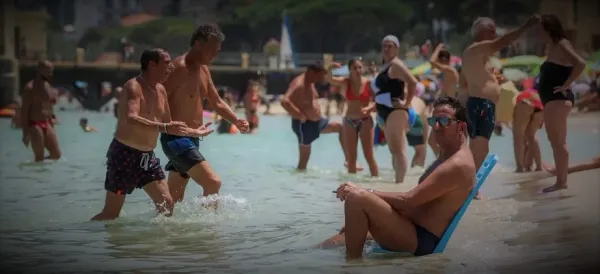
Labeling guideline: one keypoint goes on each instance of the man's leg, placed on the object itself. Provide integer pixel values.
(158, 191)
(51, 143)
(36, 140)
(177, 185)
(112, 207)
(365, 214)
(304, 156)
(206, 177)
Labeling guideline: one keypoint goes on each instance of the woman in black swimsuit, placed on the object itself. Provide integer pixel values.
(562, 66)
(392, 104)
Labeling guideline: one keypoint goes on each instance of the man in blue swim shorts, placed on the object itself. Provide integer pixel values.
(481, 82)
(414, 221)
(300, 101)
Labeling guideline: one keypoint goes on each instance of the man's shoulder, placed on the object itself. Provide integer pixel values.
(132, 84)
(463, 164)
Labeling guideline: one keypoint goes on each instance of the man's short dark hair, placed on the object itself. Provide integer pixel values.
(204, 32)
(150, 55)
(444, 55)
(316, 67)
(453, 103)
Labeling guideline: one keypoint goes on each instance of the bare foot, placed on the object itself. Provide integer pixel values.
(358, 167)
(550, 169)
(555, 187)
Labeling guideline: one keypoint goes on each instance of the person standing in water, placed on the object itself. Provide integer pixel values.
(252, 101)
(37, 112)
(440, 59)
(528, 117)
(562, 67)
(358, 123)
(187, 87)
(301, 102)
(418, 132)
(143, 113)
(413, 221)
(393, 103)
(481, 83)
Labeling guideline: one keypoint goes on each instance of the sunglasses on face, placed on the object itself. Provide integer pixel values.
(444, 121)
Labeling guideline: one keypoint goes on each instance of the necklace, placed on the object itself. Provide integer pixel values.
(147, 85)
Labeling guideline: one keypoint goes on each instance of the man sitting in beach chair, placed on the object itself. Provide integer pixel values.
(413, 221)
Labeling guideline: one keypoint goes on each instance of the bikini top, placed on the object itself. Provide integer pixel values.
(364, 96)
(553, 75)
(384, 84)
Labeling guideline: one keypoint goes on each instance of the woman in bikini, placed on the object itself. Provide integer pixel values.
(528, 117)
(358, 123)
(561, 68)
(251, 104)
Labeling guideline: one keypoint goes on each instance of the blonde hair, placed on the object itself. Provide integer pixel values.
(479, 23)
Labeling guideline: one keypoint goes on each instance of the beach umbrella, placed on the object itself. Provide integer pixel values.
(514, 74)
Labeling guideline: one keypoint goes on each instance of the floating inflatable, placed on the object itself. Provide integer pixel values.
(7, 113)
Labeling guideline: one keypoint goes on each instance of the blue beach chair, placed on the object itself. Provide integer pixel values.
(482, 174)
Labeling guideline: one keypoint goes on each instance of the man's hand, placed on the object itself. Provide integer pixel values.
(346, 189)
(242, 125)
(533, 20)
(201, 131)
(335, 66)
(26, 139)
(176, 128)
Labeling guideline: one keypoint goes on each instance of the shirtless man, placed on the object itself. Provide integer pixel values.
(187, 87)
(37, 114)
(413, 221)
(143, 113)
(300, 101)
(440, 59)
(481, 83)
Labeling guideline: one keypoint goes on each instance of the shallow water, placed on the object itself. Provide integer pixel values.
(271, 216)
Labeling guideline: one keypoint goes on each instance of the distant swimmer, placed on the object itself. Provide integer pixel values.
(562, 67)
(481, 83)
(358, 123)
(37, 112)
(83, 123)
(301, 102)
(413, 221)
(252, 100)
(143, 113)
(418, 132)
(187, 86)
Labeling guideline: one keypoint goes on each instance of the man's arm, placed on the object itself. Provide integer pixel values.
(167, 115)
(336, 81)
(174, 80)
(218, 104)
(490, 47)
(286, 103)
(25, 105)
(434, 59)
(445, 178)
(400, 71)
(133, 93)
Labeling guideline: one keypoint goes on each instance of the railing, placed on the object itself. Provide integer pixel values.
(231, 60)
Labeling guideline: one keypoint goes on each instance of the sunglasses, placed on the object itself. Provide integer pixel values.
(444, 121)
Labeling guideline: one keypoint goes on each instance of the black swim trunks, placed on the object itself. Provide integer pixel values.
(482, 117)
(309, 131)
(128, 168)
(182, 152)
